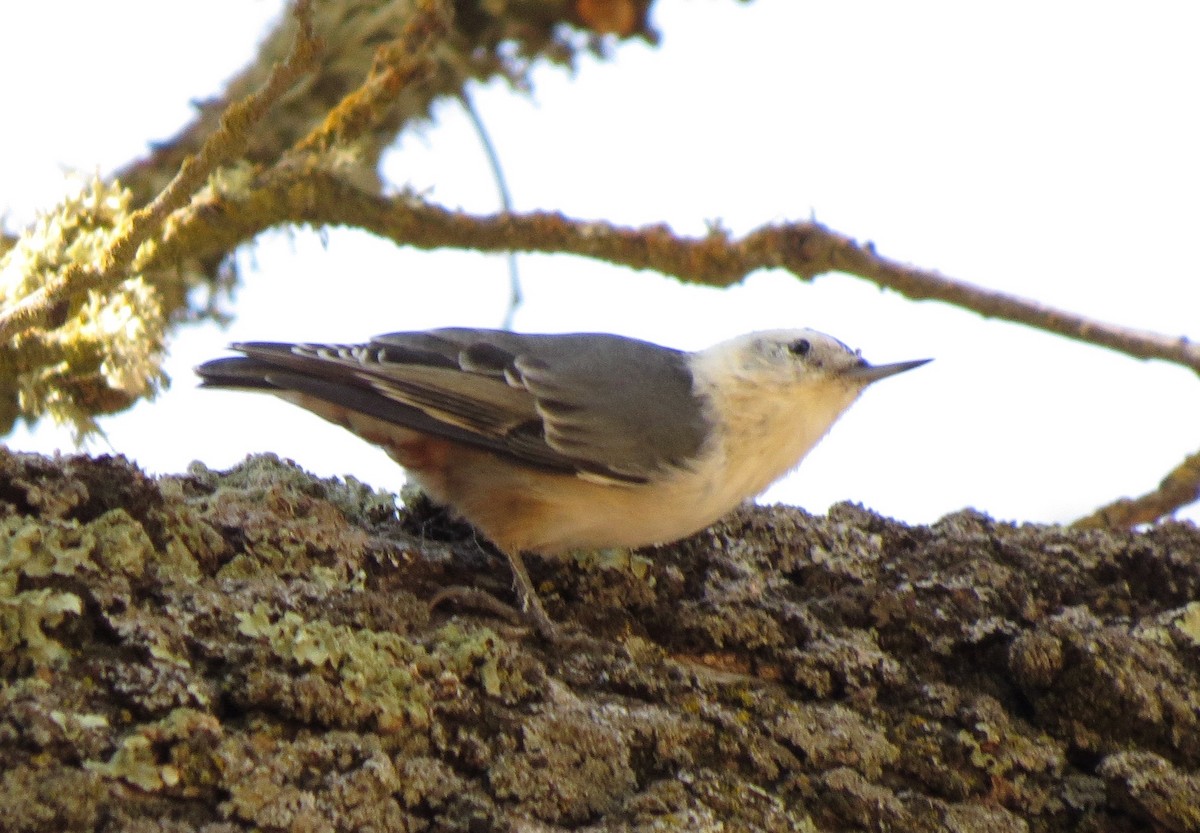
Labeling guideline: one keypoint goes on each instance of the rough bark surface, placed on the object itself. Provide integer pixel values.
(254, 650)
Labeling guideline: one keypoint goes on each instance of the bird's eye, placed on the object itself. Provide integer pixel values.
(800, 347)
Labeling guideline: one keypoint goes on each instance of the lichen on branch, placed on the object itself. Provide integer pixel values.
(83, 322)
(99, 349)
(87, 300)
(256, 650)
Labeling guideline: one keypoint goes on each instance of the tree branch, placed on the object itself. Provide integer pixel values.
(222, 146)
(1177, 489)
(488, 41)
(398, 64)
(807, 249)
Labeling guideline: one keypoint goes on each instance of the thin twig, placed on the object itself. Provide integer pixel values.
(1179, 488)
(515, 296)
(228, 141)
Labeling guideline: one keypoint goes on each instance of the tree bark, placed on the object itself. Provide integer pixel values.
(255, 650)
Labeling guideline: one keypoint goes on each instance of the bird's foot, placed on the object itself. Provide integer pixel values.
(533, 615)
(528, 612)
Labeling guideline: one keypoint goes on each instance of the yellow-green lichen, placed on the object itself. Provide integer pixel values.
(480, 654)
(25, 615)
(1187, 624)
(134, 761)
(37, 550)
(161, 754)
(29, 550)
(329, 694)
(191, 541)
(106, 351)
(383, 671)
(613, 558)
(121, 544)
(113, 543)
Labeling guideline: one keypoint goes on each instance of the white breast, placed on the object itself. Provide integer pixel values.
(766, 432)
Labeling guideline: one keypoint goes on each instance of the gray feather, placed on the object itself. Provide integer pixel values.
(597, 404)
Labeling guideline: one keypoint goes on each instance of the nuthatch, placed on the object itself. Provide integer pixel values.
(548, 443)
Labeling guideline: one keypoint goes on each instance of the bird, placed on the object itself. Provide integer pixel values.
(550, 443)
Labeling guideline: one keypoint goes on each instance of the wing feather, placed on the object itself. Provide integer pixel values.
(611, 409)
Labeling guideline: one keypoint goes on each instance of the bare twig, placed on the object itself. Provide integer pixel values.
(146, 222)
(515, 296)
(1179, 488)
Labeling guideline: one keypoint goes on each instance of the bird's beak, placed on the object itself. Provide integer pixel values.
(867, 373)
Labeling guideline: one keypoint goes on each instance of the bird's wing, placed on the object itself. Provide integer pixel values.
(605, 407)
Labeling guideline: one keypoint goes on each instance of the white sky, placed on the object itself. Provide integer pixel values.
(1047, 150)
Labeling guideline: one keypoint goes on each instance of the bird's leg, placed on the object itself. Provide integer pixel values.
(528, 600)
(529, 606)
